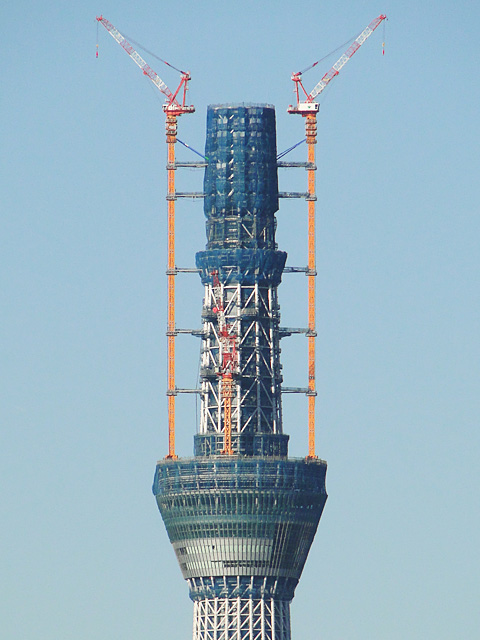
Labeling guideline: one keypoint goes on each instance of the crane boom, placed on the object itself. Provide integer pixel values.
(308, 105)
(173, 107)
(308, 108)
(341, 62)
(172, 104)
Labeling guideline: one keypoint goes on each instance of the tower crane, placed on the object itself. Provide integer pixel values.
(175, 105)
(308, 108)
(172, 105)
(228, 361)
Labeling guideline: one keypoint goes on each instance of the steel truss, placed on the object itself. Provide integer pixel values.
(241, 619)
(252, 315)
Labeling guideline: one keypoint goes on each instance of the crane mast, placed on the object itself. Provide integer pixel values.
(227, 359)
(241, 514)
(174, 106)
(308, 108)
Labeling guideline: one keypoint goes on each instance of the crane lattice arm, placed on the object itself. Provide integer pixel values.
(173, 107)
(228, 362)
(172, 104)
(308, 108)
(308, 105)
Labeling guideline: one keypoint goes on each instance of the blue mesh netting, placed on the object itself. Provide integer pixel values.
(241, 185)
(241, 196)
(245, 266)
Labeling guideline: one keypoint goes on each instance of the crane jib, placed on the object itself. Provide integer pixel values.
(342, 61)
(140, 62)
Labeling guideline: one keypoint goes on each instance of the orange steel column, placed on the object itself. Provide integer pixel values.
(171, 130)
(227, 383)
(311, 134)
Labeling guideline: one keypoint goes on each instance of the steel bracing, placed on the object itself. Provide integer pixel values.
(241, 516)
(252, 315)
(241, 619)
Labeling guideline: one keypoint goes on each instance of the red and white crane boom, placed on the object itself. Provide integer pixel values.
(172, 105)
(308, 105)
(308, 108)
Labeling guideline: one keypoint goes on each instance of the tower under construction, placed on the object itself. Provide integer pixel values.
(240, 514)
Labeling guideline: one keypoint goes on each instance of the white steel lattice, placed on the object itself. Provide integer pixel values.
(251, 313)
(241, 619)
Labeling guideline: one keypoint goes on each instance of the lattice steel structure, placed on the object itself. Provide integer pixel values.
(252, 314)
(241, 524)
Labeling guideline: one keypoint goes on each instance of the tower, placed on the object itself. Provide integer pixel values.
(241, 515)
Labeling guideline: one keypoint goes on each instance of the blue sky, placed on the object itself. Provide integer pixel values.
(82, 366)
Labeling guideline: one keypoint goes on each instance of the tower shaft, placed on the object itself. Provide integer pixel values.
(241, 516)
(240, 618)
(252, 316)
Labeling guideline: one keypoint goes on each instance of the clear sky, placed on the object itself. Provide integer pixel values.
(84, 554)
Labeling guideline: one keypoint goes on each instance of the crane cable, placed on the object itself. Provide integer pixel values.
(284, 153)
(187, 146)
(140, 46)
(300, 73)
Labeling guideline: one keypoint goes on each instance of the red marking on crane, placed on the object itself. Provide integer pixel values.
(176, 102)
(308, 105)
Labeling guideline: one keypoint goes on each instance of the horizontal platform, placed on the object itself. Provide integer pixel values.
(281, 194)
(189, 165)
(195, 270)
(281, 164)
(187, 194)
(293, 194)
(198, 333)
(302, 165)
(288, 331)
(295, 270)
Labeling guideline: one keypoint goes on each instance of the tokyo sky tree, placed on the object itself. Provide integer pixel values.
(240, 514)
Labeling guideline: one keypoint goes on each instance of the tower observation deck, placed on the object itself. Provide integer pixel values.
(240, 514)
